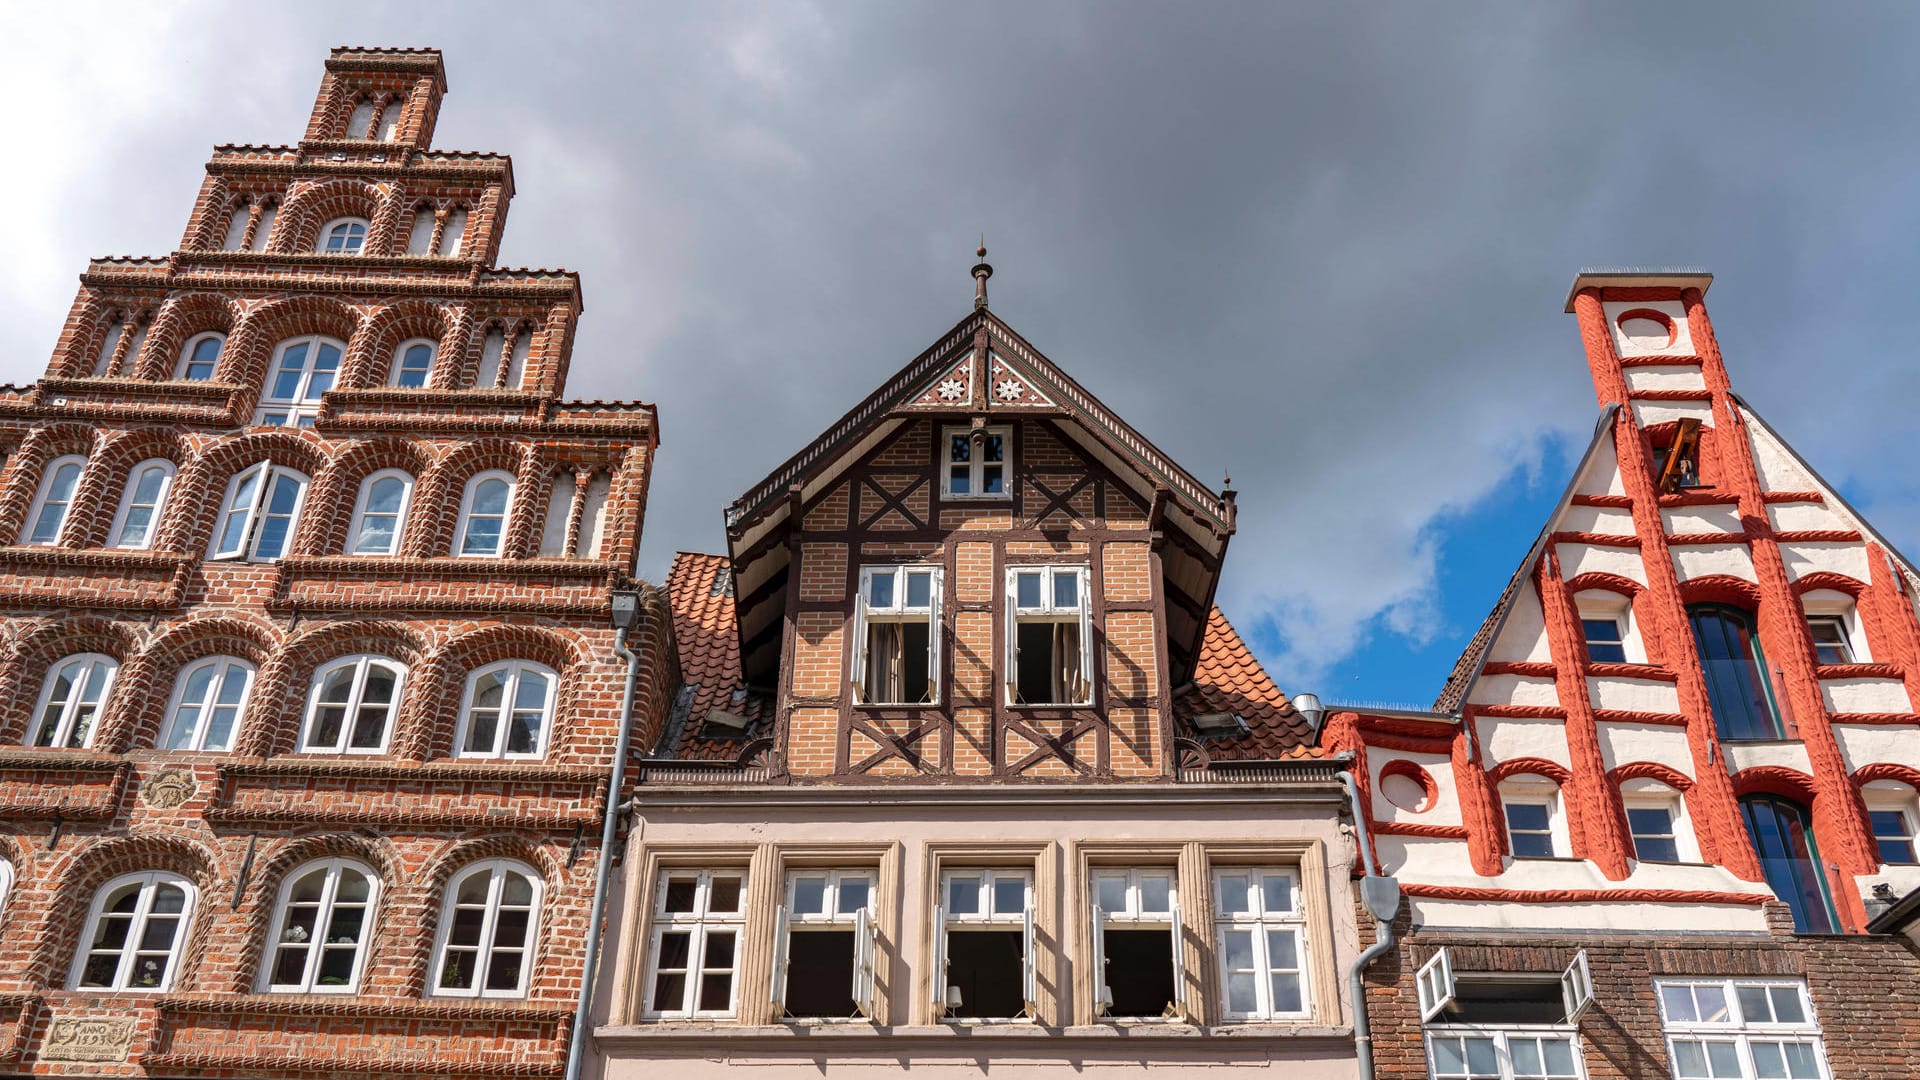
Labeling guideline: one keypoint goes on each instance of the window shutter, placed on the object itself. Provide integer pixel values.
(864, 950)
(858, 676)
(1084, 692)
(1576, 987)
(1031, 968)
(1102, 993)
(1435, 985)
(1179, 1006)
(933, 640)
(1012, 673)
(777, 979)
(938, 975)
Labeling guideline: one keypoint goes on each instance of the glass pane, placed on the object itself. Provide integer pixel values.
(1240, 993)
(456, 970)
(168, 900)
(1027, 589)
(503, 970)
(307, 890)
(1679, 1003)
(963, 895)
(958, 481)
(1530, 817)
(1768, 1062)
(490, 497)
(1066, 590)
(1689, 1060)
(289, 965)
(1481, 1058)
(1712, 1003)
(675, 948)
(725, 897)
(1233, 894)
(1276, 892)
(517, 889)
(466, 927)
(670, 991)
(880, 590)
(1238, 951)
(336, 967)
(1753, 1004)
(679, 896)
(157, 935)
(354, 888)
(919, 589)
(1449, 1058)
(1110, 892)
(1559, 1055)
(996, 448)
(719, 950)
(1786, 1005)
(809, 895)
(1282, 949)
(474, 888)
(510, 928)
(1009, 896)
(959, 448)
(1286, 992)
(1801, 1063)
(1724, 1058)
(1526, 1056)
(531, 691)
(716, 991)
(853, 895)
(991, 481)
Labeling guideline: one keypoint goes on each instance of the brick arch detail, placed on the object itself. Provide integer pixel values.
(29, 461)
(1721, 589)
(297, 229)
(1828, 580)
(180, 319)
(200, 487)
(437, 494)
(1886, 770)
(370, 361)
(23, 674)
(150, 675)
(280, 689)
(94, 315)
(459, 854)
(438, 712)
(257, 910)
(104, 483)
(250, 347)
(75, 881)
(329, 509)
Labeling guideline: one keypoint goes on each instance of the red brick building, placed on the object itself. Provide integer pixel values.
(308, 673)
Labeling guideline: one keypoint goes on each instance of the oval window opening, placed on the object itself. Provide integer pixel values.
(1404, 792)
(1644, 331)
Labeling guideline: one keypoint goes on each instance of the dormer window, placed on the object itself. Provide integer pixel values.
(977, 463)
(1050, 638)
(343, 236)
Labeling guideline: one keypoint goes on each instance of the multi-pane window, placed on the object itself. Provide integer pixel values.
(984, 967)
(352, 708)
(487, 929)
(977, 463)
(320, 929)
(413, 362)
(507, 711)
(896, 636)
(1831, 642)
(200, 357)
(1503, 1025)
(304, 369)
(695, 959)
(380, 513)
(1606, 639)
(133, 935)
(208, 700)
(71, 700)
(343, 236)
(1738, 1029)
(1260, 934)
(58, 483)
(1138, 950)
(1502, 1055)
(483, 515)
(823, 965)
(1654, 837)
(1050, 636)
(1534, 829)
(257, 518)
(138, 518)
(1890, 812)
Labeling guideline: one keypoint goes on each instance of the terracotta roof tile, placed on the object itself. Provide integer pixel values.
(700, 591)
(1229, 679)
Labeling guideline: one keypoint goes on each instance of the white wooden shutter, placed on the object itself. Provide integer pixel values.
(1084, 692)
(1012, 673)
(864, 951)
(1179, 961)
(858, 676)
(777, 978)
(939, 969)
(1030, 972)
(1434, 982)
(1576, 987)
(1102, 993)
(933, 640)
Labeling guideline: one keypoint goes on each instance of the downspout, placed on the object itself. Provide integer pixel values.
(1378, 893)
(610, 823)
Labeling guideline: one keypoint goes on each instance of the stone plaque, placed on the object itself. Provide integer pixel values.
(169, 788)
(87, 1040)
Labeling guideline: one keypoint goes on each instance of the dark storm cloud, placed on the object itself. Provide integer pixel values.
(1323, 248)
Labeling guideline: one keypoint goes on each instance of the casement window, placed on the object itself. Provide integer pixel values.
(824, 958)
(352, 706)
(1606, 639)
(320, 929)
(138, 519)
(412, 363)
(454, 234)
(1502, 1025)
(304, 368)
(1496, 1054)
(200, 357)
(1677, 464)
(1536, 827)
(1138, 950)
(1743, 1029)
(6, 884)
(380, 513)
(1782, 834)
(1260, 930)
(507, 711)
(1833, 621)
(258, 515)
(1657, 822)
(897, 636)
(483, 515)
(342, 236)
(488, 925)
(71, 700)
(1739, 686)
(134, 933)
(1830, 639)
(1049, 636)
(693, 967)
(977, 460)
(59, 481)
(1891, 813)
(209, 700)
(984, 962)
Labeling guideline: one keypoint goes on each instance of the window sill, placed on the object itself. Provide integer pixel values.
(648, 1032)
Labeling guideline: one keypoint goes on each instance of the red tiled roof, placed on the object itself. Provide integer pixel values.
(700, 591)
(1228, 679)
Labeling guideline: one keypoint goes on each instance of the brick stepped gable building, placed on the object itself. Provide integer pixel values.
(308, 674)
(1645, 828)
(968, 775)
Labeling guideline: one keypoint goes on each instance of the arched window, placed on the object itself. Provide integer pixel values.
(320, 929)
(236, 228)
(6, 884)
(209, 699)
(1782, 834)
(134, 933)
(420, 236)
(138, 518)
(200, 357)
(517, 359)
(491, 348)
(303, 370)
(452, 236)
(593, 518)
(352, 706)
(264, 230)
(553, 536)
(1738, 686)
(58, 481)
(1536, 822)
(507, 711)
(380, 513)
(487, 925)
(413, 362)
(360, 123)
(483, 515)
(71, 700)
(257, 519)
(343, 236)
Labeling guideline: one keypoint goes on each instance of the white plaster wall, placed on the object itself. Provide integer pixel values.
(1673, 309)
(1865, 696)
(1666, 377)
(1506, 739)
(1778, 471)
(1702, 519)
(1649, 413)
(1839, 557)
(1633, 695)
(1904, 880)
(1577, 559)
(1597, 519)
(1430, 859)
(1514, 690)
(1622, 743)
(1746, 755)
(1710, 918)
(1524, 636)
(1602, 475)
(1805, 517)
(1865, 744)
(1549, 874)
(1704, 560)
(1446, 799)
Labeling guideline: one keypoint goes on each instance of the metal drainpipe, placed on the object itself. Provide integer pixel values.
(1383, 940)
(610, 823)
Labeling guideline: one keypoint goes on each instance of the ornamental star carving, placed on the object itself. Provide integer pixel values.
(1008, 389)
(952, 389)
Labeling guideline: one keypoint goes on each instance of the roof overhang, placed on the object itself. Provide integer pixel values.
(1638, 277)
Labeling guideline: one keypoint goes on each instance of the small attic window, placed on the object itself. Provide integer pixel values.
(729, 721)
(1220, 725)
(1645, 330)
(1676, 466)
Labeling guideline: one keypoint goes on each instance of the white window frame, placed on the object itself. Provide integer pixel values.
(334, 869)
(225, 670)
(320, 243)
(1892, 796)
(72, 706)
(1048, 611)
(1736, 1028)
(466, 514)
(1263, 925)
(1603, 605)
(1645, 793)
(976, 466)
(1821, 605)
(255, 513)
(984, 915)
(360, 511)
(363, 665)
(516, 671)
(303, 407)
(43, 500)
(866, 614)
(1534, 790)
(860, 922)
(149, 883)
(115, 536)
(1502, 1037)
(6, 884)
(399, 357)
(498, 870)
(1134, 916)
(194, 343)
(697, 924)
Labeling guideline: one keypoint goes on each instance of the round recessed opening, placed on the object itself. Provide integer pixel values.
(1407, 786)
(1644, 329)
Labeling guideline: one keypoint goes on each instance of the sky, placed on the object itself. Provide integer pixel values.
(1323, 248)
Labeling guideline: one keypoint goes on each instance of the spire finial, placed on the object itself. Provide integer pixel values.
(981, 272)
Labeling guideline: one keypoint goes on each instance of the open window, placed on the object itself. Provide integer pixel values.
(257, 518)
(823, 966)
(984, 966)
(1834, 624)
(1434, 985)
(896, 636)
(1677, 464)
(976, 466)
(1138, 955)
(1496, 998)
(1050, 636)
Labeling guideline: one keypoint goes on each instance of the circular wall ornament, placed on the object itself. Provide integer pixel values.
(169, 788)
